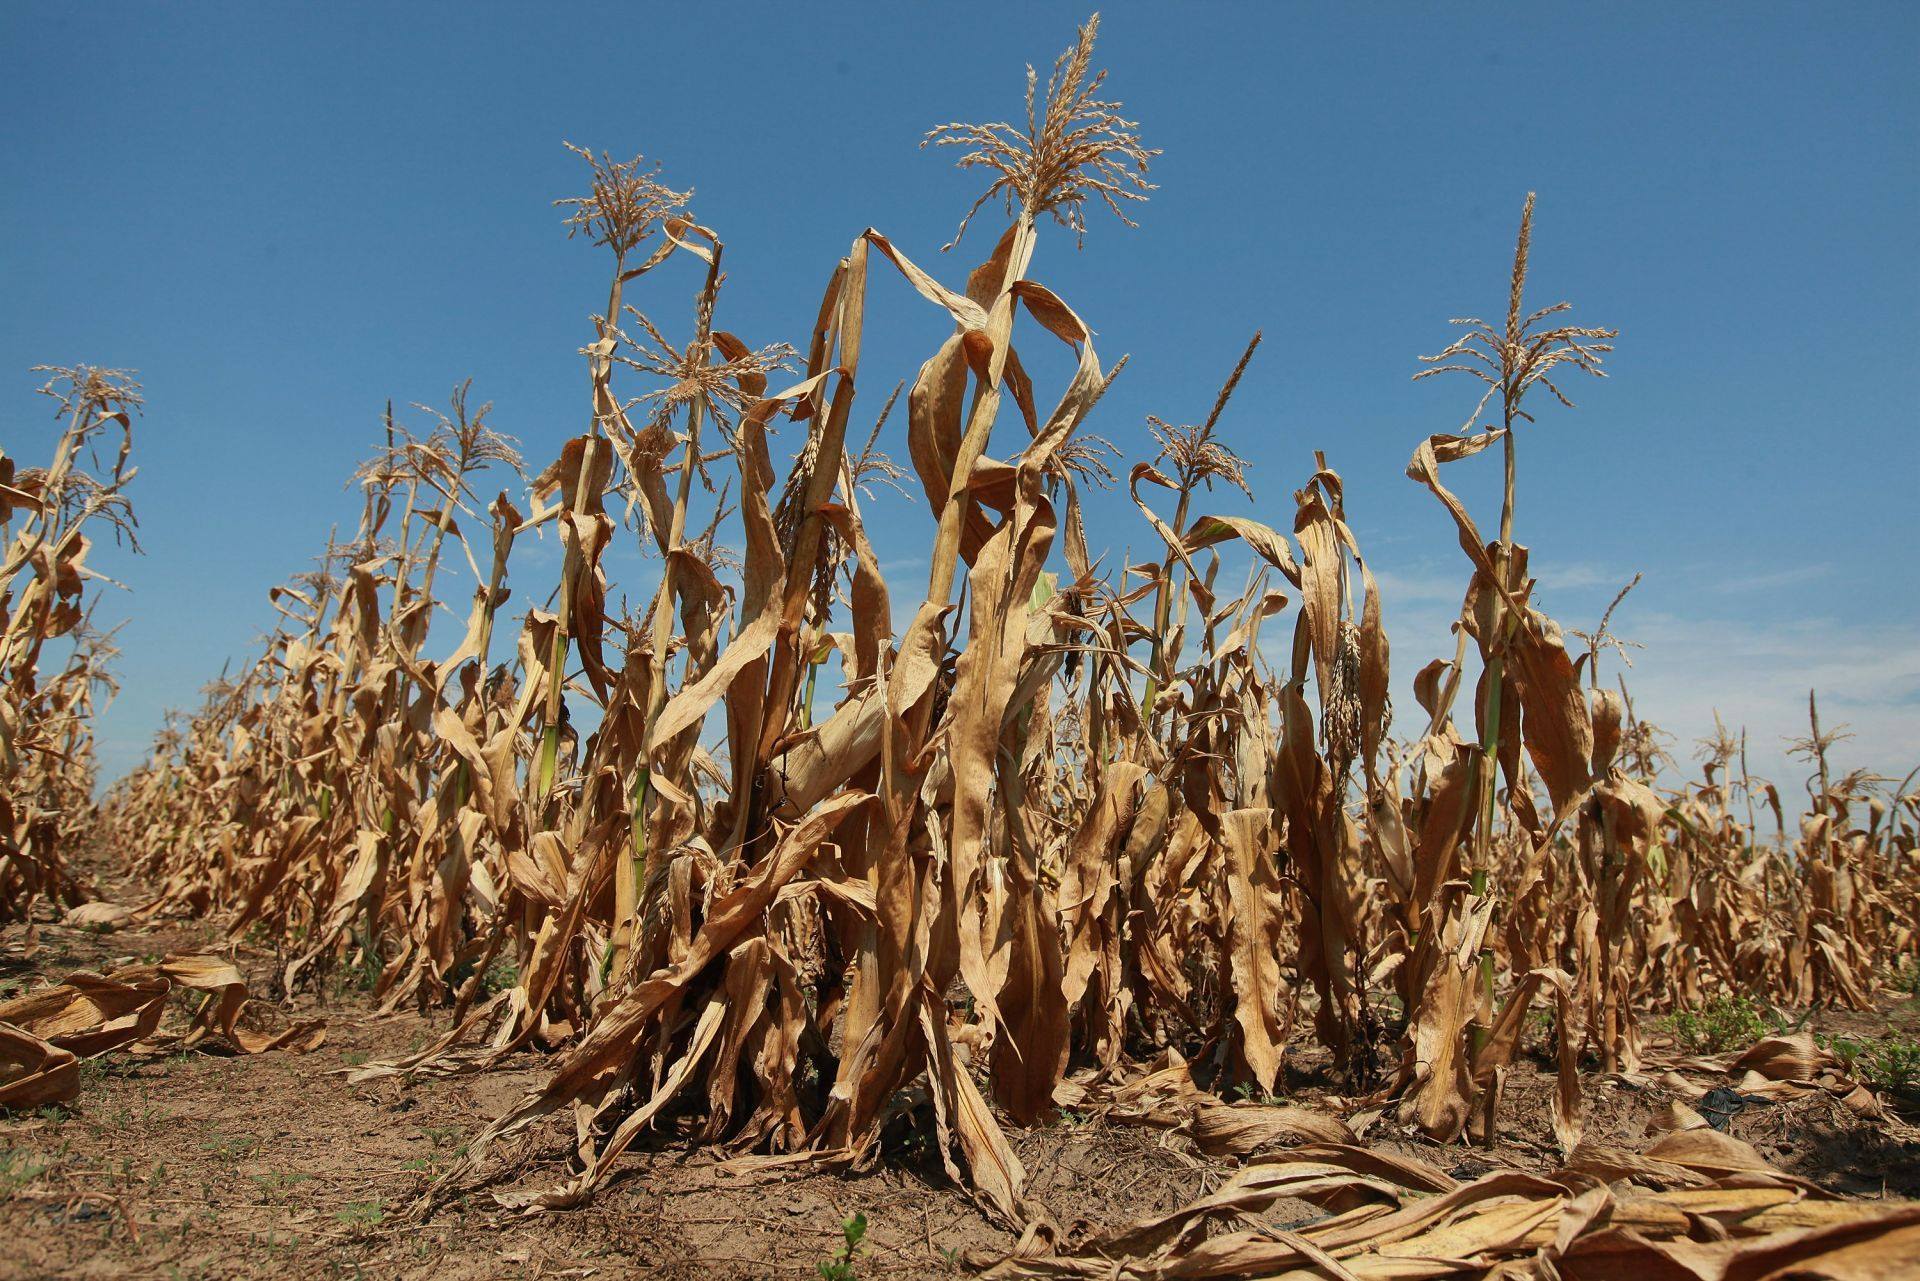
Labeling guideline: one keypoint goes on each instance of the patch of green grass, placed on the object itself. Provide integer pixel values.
(21, 1166)
(273, 1243)
(362, 1214)
(360, 972)
(18, 1167)
(278, 1181)
(1722, 1024)
(231, 1148)
(95, 1071)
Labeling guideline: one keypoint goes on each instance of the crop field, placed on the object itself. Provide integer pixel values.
(1068, 911)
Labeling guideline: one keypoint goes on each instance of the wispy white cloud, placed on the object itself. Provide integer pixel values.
(1767, 580)
(1580, 576)
(1447, 580)
(1757, 674)
(1402, 586)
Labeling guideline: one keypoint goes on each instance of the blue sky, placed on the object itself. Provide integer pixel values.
(284, 216)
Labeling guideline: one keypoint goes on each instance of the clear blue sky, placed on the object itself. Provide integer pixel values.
(283, 216)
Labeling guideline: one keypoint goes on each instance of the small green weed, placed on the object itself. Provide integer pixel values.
(840, 1267)
(362, 972)
(1886, 1063)
(231, 1149)
(1722, 1024)
(441, 1135)
(1907, 978)
(502, 976)
(279, 1181)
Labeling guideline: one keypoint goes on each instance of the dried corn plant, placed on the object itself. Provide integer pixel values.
(1070, 817)
(54, 663)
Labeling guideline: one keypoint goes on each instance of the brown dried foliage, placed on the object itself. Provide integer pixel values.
(1076, 821)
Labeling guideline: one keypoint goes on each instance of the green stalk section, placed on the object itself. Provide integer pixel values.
(806, 699)
(1163, 603)
(635, 865)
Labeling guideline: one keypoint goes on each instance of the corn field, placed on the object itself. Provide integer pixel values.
(824, 859)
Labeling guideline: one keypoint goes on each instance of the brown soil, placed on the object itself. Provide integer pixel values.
(197, 1165)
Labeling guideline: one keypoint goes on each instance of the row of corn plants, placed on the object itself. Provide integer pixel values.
(54, 662)
(1072, 814)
